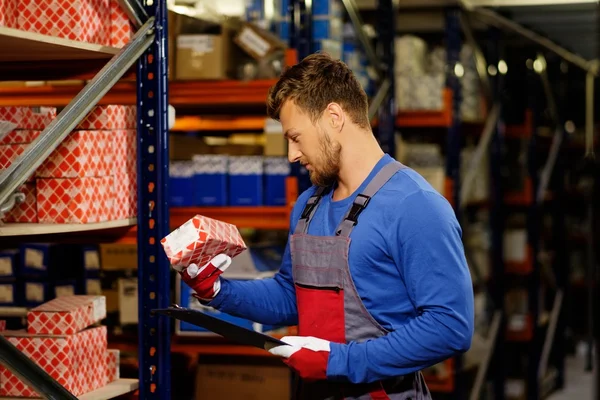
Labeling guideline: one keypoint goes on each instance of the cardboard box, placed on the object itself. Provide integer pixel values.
(20, 136)
(128, 301)
(30, 118)
(200, 239)
(124, 148)
(81, 154)
(249, 382)
(120, 27)
(113, 366)
(8, 13)
(110, 117)
(25, 212)
(75, 200)
(125, 204)
(257, 42)
(118, 256)
(9, 153)
(84, 21)
(66, 315)
(70, 359)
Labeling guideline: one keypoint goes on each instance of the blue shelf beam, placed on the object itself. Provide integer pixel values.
(153, 211)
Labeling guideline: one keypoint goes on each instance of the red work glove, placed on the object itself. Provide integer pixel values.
(307, 355)
(205, 281)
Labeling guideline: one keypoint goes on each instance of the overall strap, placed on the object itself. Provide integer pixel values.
(362, 199)
(309, 210)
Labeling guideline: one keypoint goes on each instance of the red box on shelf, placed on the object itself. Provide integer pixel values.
(66, 315)
(22, 136)
(110, 117)
(75, 200)
(9, 153)
(25, 212)
(200, 239)
(81, 154)
(8, 13)
(113, 358)
(70, 359)
(83, 20)
(120, 27)
(124, 148)
(125, 205)
(32, 118)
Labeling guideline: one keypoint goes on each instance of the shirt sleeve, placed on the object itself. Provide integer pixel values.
(426, 245)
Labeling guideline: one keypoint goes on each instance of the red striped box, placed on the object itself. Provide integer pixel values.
(8, 13)
(25, 212)
(66, 315)
(72, 360)
(31, 118)
(110, 117)
(120, 27)
(200, 239)
(75, 200)
(81, 154)
(20, 137)
(82, 20)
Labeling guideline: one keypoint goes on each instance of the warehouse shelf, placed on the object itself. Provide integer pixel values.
(110, 391)
(224, 123)
(10, 312)
(181, 93)
(60, 57)
(526, 328)
(242, 217)
(22, 229)
(435, 118)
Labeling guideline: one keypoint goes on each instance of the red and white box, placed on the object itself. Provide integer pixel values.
(66, 315)
(125, 152)
(120, 27)
(125, 205)
(83, 20)
(75, 200)
(8, 13)
(72, 360)
(2, 328)
(9, 153)
(81, 154)
(113, 365)
(25, 212)
(110, 117)
(200, 239)
(22, 136)
(30, 118)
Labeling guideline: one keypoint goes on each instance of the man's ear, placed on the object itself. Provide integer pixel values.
(336, 118)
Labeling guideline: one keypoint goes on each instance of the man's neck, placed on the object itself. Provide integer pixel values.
(358, 159)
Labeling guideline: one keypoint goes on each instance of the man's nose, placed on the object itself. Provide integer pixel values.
(294, 153)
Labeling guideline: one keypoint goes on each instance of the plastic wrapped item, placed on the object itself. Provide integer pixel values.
(411, 55)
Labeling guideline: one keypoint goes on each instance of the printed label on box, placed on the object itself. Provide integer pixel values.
(6, 266)
(197, 43)
(34, 292)
(34, 259)
(7, 295)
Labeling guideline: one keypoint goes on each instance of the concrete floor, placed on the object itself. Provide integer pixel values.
(579, 383)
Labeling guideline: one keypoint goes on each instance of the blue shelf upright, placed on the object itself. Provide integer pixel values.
(153, 210)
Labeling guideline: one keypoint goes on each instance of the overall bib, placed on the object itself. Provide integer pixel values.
(329, 306)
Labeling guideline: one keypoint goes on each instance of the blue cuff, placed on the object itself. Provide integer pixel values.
(336, 363)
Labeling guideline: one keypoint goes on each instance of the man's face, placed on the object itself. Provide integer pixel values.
(311, 145)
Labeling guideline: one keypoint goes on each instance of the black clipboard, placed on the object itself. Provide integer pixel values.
(226, 329)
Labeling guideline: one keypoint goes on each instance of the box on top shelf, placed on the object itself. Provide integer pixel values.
(66, 315)
(81, 154)
(120, 27)
(277, 169)
(8, 13)
(200, 239)
(72, 360)
(110, 117)
(25, 212)
(29, 118)
(75, 200)
(84, 21)
(20, 136)
(246, 181)
(258, 43)
(210, 180)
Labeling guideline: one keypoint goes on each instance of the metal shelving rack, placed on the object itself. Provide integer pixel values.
(148, 48)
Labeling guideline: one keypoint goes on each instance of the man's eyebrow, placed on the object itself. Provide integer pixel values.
(288, 133)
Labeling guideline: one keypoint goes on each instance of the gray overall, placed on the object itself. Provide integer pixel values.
(329, 306)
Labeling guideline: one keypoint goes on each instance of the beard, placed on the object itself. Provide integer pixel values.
(327, 168)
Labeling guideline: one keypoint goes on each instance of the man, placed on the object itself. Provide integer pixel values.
(374, 272)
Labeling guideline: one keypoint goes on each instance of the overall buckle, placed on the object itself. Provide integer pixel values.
(359, 204)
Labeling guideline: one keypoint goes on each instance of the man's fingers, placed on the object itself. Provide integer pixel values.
(284, 351)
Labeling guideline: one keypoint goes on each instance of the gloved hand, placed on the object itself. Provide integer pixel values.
(205, 281)
(307, 355)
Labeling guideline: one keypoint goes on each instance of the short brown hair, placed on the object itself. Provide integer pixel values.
(314, 83)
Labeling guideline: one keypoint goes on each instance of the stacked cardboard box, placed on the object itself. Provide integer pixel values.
(90, 177)
(62, 338)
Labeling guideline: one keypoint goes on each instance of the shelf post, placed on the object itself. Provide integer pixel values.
(153, 211)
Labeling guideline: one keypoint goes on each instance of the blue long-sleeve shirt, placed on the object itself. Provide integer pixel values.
(408, 265)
